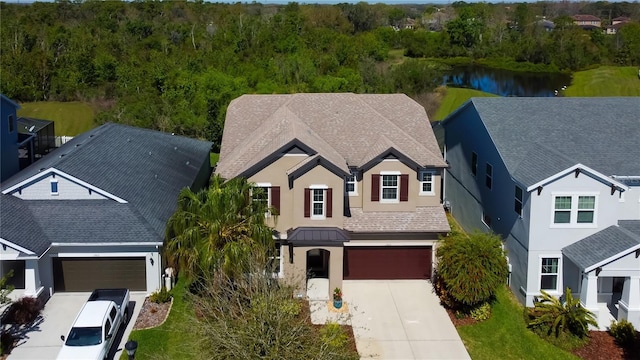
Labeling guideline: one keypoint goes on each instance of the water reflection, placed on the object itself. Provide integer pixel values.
(506, 83)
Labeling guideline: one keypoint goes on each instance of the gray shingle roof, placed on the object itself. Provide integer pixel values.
(605, 244)
(35, 224)
(18, 226)
(144, 167)
(340, 127)
(423, 219)
(537, 137)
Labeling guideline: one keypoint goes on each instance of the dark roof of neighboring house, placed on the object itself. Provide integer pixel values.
(344, 128)
(621, 18)
(25, 124)
(608, 244)
(585, 17)
(35, 224)
(144, 167)
(539, 137)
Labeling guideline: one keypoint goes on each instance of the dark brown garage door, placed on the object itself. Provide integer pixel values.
(385, 263)
(86, 274)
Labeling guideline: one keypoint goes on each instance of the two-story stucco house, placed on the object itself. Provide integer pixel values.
(355, 180)
(93, 212)
(559, 179)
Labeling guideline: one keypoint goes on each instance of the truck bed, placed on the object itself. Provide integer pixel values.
(118, 296)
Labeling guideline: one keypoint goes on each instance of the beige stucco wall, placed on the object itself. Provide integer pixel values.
(295, 273)
(318, 176)
(415, 199)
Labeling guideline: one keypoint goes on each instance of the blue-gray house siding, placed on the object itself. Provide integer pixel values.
(9, 138)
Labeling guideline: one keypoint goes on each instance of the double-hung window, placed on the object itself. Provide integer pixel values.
(389, 188)
(574, 209)
(517, 206)
(549, 271)
(275, 261)
(352, 184)
(489, 175)
(427, 183)
(261, 194)
(317, 203)
(474, 163)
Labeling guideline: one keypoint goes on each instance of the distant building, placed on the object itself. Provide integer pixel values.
(587, 22)
(616, 24)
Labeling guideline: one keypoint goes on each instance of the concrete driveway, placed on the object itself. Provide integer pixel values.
(42, 340)
(400, 319)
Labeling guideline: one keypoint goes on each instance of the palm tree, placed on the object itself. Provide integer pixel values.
(218, 228)
(562, 316)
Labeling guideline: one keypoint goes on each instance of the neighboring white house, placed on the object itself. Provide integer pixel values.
(93, 212)
(559, 180)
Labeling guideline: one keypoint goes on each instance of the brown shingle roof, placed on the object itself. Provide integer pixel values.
(584, 17)
(341, 127)
(423, 219)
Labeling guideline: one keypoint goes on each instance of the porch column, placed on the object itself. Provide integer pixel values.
(629, 304)
(589, 293)
(31, 277)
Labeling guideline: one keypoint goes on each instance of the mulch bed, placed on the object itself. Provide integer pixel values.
(152, 314)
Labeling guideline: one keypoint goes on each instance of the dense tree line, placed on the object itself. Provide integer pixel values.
(174, 66)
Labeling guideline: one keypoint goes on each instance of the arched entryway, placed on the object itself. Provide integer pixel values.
(318, 263)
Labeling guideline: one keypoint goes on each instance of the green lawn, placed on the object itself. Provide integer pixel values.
(214, 158)
(172, 340)
(605, 81)
(71, 118)
(505, 335)
(454, 98)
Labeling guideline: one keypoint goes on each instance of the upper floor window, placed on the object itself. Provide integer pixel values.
(352, 183)
(318, 202)
(426, 183)
(489, 176)
(54, 187)
(574, 209)
(517, 206)
(11, 124)
(390, 188)
(474, 163)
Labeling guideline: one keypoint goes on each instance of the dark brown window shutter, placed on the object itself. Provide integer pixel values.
(307, 202)
(404, 187)
(329, 202)
(375, 187)
(275, 198)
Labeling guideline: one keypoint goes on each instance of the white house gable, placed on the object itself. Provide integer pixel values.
(53, 184)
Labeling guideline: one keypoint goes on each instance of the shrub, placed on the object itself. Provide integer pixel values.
(472, 267)
(558, 317)
(623, 331)
(333, 336)
(24, 311)
(482, 312)
(160, 297)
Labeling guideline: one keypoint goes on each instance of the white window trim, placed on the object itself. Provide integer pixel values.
(324, 201)
(558, 289)
(482, 219)
(397, 199)
(355, 184)
(280, 274)
(574, 210)
(54, 181)
(433, 183)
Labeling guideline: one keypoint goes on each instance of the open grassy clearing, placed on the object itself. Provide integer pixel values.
(605, 81)
(454, 97)
(505, 335)
(172, 340)
(71, 118)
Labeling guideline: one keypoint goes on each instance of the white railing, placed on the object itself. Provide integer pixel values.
(60, 140)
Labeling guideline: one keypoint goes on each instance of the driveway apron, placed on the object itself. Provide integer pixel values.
(401, 319)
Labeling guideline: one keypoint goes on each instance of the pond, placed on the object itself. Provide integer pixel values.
(505, 82)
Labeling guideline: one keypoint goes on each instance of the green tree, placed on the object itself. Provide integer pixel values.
(472, 267)
(562, 316)
(218, 228)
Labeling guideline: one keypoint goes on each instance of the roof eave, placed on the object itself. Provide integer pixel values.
(620, 186)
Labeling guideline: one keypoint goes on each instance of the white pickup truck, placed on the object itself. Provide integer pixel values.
(96, 326)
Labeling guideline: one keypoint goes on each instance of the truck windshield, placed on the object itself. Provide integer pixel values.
(84, 336)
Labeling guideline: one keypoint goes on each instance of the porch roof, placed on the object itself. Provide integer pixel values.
(318, 236)
(605, 246)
